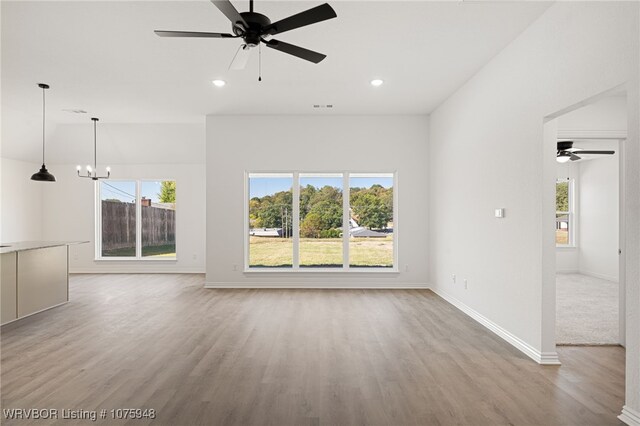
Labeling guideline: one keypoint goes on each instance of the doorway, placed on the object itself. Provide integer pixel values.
(589, 275)
(587, 242)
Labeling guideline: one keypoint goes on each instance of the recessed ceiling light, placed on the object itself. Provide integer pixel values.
(376, 82)
(219, 83)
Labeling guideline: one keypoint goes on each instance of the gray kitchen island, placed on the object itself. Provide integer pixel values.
(34, 276)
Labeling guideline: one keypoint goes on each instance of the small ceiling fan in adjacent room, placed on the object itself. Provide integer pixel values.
(255, 28)
(567, 152)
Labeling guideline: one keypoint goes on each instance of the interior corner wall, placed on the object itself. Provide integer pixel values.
(486, 151)
(22, 212)
(237, 144)
(599, 216)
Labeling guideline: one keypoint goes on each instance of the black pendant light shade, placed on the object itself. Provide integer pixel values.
(43, 174)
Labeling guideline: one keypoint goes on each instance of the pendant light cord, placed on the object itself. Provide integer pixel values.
(95, 147)
(43, 121)
(259, 61)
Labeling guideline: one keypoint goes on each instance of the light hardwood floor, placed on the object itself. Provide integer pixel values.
(285, 357)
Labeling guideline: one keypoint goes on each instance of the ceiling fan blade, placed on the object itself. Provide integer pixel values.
(574, 157)
(597, 152)
(308, 17)
(230, 12)
(241, 57)
(192, 34)
(300, 52)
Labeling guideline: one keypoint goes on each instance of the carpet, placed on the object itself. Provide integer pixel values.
(586, 310)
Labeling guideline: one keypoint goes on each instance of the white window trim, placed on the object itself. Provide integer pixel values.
(345, 269)
(98, 226)
(571, 214)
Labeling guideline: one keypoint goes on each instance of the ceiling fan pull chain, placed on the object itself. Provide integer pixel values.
(260, 62)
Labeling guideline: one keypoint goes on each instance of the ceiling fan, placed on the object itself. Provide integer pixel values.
(567, 152)
(255, 28)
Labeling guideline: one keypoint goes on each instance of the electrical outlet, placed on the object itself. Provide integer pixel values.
(406, 268)
(465, 284)
(235, 268)
(453, 277)
(195, 256)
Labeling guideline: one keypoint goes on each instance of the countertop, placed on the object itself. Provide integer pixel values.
(32, 245)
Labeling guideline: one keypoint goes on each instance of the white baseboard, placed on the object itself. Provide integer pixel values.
(132, 271)
(317, 285)
(630, 416)
(544, 358)
(567, 271)
(597, 275)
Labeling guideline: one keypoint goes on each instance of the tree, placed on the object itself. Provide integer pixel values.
(562, 196)
(371, 211)
(167, 191)
(254, 209)
(311, 226)
(330, 214)
(306, 199)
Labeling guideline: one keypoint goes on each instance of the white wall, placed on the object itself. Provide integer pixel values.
(314, 143)
(599, 217)
(606, 115)
(487, 151)
(21, 201)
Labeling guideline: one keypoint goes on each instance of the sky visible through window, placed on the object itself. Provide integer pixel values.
(125, 191)
(267, 186)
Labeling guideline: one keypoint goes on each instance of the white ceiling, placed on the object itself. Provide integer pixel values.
(103, 57)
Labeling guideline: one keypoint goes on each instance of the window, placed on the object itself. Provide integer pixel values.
(565, 228)
(371, 220)
(136, 219)
(270, 220)
(320, 221)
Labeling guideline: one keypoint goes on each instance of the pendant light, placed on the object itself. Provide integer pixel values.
(92, 173)
(43, 174)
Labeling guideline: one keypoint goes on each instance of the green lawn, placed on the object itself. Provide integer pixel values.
(168, 250)
(321, 252)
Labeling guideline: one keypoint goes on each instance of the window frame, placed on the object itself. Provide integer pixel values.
(571, 213)
(296, 268)
(98, 224)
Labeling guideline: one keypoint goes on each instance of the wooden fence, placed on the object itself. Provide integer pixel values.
(119, 226)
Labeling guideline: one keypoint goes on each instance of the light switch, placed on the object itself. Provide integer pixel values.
(499, 213)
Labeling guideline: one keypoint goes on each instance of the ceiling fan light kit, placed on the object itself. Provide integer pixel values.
(43, 174)
(255, 28)
(567, 152)
(92, 172)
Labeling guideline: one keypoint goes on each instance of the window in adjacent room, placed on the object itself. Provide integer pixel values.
(565, 228)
